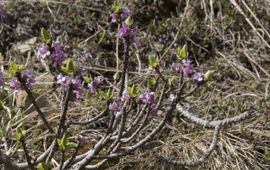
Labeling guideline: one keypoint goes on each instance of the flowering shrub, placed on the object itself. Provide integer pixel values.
(130, 107)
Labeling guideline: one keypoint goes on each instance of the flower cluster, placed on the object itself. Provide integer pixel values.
(115, 106)
(97, 82)
(175, 66)
(15, 84)
(188, 71)
(2, 80)
(43, 51)
(55, 52)
(26, 77)
(75, 84)
(187, 68)
(125, 96)
(129, 33)
(147, 97)
(120, 15)
(58, 54)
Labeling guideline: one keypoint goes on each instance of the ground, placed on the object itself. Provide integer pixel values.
(230, 37)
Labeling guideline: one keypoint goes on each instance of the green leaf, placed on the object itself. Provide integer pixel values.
(45, 166)
(70, 145)
(70, 65)
(153, 61)
(133, 91)
(129, 21)
(45, 36)
(20, 134)
(117, 7)
(87, 79)
(151, 83)
(208, 75)
(61, 144)
(13, 69)
(182, 52)
(116, 76)
(64, 69)
(172, 81)
(109, 95)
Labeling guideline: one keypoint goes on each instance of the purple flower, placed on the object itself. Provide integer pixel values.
(77, 88)
(187, 68)
(15, 84)
(83, 141)
(128, 33)
(99, 80)
(43, 51)
(153, 110)
(58, 54)
(64, 81)
(150, 97)
(197, 77)
(28, 78)
(2, 81)
(119, 17)
(175, 66)
(114, 17)
(75, 84)
(124, 31)
(147, 97)
(92, 87)
(3, 13)
(115, 106)
(125, 13)
(125, 96)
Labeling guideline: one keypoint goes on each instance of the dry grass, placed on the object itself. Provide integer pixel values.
(231, 37)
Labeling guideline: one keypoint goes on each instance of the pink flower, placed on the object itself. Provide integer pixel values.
(77, 88)
(147, 97)
(15, 84)
(175, 66)
(2, 81)
(58, 54)
(119, 17)
(197, 77)
(99, 80)
(153, 110)
(187, 68)
(3, 13)
(125, 96)
(125, 13)
(125, 32)
(43, 51)
(28, 78)
(115, 106)
(75, 84)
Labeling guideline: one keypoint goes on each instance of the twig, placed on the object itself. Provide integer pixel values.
(212, 124)
(125, 67)
(27, 156)
(31, 97)
(62, 160)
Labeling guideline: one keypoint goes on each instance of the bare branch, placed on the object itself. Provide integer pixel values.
(212, 124)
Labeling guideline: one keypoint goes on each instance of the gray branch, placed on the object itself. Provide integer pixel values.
(214, 123)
